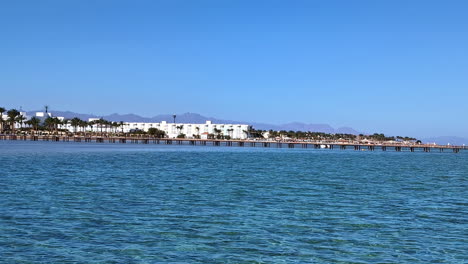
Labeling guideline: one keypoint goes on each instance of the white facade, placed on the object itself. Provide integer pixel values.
(172, 130)
(43, 114)
(235, 131)
(17, 124)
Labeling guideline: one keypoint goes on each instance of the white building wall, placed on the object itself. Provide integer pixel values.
(232, 130)
(236, 131)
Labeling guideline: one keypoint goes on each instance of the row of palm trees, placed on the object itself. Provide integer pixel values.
(14, 117)
(308, 135)
(77, 123)
(217, 133)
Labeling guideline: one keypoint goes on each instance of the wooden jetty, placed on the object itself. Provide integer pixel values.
(243, 143)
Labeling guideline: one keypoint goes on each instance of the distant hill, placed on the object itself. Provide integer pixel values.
(296, 126)
(197, 118)
(66, 114)
(447, 140)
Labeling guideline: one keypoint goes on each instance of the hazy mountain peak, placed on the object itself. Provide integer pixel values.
(444, 140)
(190, 117)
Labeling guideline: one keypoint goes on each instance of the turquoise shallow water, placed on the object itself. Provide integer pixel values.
(113, 203)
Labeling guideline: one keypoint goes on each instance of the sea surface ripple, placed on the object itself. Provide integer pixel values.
(67, 202)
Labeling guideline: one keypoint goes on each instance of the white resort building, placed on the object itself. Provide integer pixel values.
(172, 130)
(190, 130)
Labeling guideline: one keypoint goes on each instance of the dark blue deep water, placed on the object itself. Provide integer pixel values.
(116, 203)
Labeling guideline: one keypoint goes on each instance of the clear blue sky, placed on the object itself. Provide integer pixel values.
(399, 67)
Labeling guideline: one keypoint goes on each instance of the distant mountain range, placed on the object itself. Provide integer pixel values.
(181, 118)
(298, 126)
(459, 141)
(197, 118)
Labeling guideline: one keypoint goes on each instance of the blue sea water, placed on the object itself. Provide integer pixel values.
(66, 202)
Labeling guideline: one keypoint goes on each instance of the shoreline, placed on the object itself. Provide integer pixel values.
(242, 143)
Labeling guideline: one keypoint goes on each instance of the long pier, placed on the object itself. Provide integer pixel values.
(243, 143)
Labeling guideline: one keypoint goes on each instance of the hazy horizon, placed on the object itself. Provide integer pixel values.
(426, 136)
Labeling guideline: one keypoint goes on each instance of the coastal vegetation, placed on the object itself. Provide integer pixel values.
(317, 136)
(52, 125)
(158, 133)
(15, 123)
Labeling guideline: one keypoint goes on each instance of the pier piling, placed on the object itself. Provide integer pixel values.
(239, 143)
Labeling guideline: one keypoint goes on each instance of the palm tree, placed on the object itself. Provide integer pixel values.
(108, 125)
(105, 123)
(52, 123)
(217, 133)
(115, 125)
(20, 119)
(57, 122)
(2, 110)
(111, 126)
(12, 114)
(121, 124)
(75, 122)
(49, 123)
(101, 122)
(174, 116)
(34, 122)
(179, 128)
(91, 124)
(64, 123)
(83, 124)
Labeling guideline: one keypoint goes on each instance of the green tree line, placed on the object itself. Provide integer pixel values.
(52, 125)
